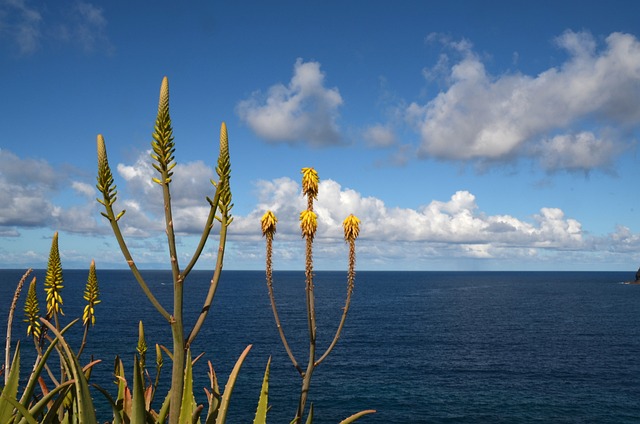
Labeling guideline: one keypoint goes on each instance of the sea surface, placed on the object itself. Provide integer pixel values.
(418, 347)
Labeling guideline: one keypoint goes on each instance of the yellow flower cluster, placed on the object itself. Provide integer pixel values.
(351, 226)
(310, 182)
(308, 223)
(268, 222)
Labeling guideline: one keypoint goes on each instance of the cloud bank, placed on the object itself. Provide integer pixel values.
(443, 228)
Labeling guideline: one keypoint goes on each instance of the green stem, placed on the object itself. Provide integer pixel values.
(134, 269)
(273, 304)
(311, 319)
(214, 280)
(350, 282)
(177, 326)
(208, 226)
(84, 340)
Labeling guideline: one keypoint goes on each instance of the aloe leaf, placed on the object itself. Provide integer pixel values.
(263, 402)
(310, 417)
(228, 388)
(23, 411)
(117, 418)
(357, 415)
(164, 409)
(10, 390)
(137, 407)
(213, 396)
(38, 408)
(86, 412)
(186, 408)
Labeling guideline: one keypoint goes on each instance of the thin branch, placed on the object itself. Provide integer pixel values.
(14, 302)
(134, 269)
(350, 282)
(208, 226)
(275, 309)
(214, 281)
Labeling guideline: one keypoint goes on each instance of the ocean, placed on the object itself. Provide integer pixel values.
(418, 347)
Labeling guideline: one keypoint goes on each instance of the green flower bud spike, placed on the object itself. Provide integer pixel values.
(32, 311)
(91, 293)
(53, 281)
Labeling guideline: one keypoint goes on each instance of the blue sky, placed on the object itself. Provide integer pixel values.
(465, 135)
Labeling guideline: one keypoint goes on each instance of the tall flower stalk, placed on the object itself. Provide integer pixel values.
(163, 147)
(308, 228)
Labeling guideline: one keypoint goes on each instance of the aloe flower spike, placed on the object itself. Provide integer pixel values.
(351, 226)
(91, 294)
(308, 224)
(32, 311)
(268, 222)
(53, 280)
(310, 182)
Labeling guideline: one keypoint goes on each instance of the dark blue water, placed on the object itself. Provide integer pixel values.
(419, 347)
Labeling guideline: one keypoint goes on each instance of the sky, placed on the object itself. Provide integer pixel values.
(465, 135)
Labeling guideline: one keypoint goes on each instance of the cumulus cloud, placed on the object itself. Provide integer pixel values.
(493, 118)
(304, 111)
(189, 188)
(27, 187)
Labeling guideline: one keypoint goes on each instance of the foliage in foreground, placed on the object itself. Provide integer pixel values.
(61, 393)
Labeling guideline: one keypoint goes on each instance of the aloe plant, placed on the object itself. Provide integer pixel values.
(163, 147)
(62, 397)
(308, 227)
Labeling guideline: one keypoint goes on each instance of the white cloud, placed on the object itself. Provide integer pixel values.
(86, 25)
(304, 111)
(84, 189)
(25, 187)
(78, 22)
(21, 22)
(581, 152)
(439, 226)
(189, 188)
(484, 117)
(379, 136)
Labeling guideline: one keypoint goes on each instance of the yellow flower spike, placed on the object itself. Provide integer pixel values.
(53, 280)
(32, 311)
(268, 222)
(91, 294)
(351, 226)
(308, 223)
(310, 182)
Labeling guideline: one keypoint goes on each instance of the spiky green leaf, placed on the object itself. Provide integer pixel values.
(228, 388)
(263, 402)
